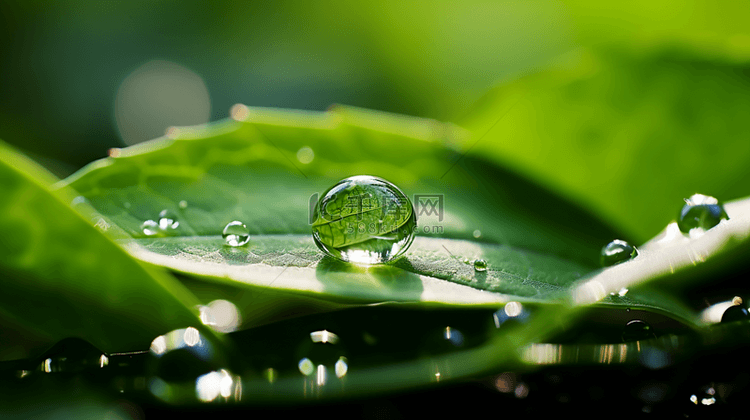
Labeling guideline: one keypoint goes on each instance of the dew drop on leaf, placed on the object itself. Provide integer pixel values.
(701, 212)
(480, 265)
(236, 234)
(168, 221)
(616, 252)
(150, 228)
(364, 220)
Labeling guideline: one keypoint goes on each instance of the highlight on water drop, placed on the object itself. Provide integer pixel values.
(700, 212)
(480, 265)
(168, 220)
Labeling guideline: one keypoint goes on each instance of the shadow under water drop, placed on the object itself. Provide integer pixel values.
(388, 280)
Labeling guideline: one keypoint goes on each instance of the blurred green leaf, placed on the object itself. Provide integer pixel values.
(627, 137)
(63, 277)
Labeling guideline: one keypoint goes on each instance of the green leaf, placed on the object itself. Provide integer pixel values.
(535, 244)
(63, 277)
(628, 137)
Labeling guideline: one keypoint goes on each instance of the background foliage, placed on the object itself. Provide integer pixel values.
(577, 121)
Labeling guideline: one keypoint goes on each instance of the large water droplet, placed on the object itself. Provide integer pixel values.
(364, 219)
(480, 265)
(616, 252)
(168, 221)
(701, 212)
(236, 234)
(636, 330)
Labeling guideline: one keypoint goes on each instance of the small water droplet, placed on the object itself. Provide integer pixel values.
(126, 204)
(150, 228)
(636, 330)
(183, 204)
(347, 221)
(477, 233)
(616, 252)
(480, 265)
(305, 155)
(236, 234)
(735, 313)
(168, 221)
(701, 212)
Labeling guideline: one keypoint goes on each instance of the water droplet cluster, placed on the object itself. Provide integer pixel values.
(167, 224)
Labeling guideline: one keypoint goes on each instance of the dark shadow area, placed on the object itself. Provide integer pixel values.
(548, 220)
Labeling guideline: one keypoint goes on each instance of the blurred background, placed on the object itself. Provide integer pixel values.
(79, 77)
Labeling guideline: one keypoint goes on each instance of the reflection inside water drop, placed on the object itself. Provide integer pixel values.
(700, 212)
(168, 220)
(364, 220)
(480, 265)
(616, 252)
(236, 234)
(150, 228)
